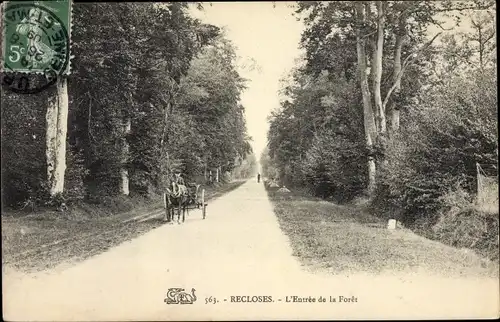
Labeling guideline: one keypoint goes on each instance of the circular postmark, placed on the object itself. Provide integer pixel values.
(36, 48)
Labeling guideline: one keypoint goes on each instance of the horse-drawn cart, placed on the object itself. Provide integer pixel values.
(183, 197)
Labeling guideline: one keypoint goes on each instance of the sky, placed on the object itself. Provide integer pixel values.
(270, 36)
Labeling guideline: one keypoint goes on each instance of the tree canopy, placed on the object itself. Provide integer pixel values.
(152, 90)
(390, 102)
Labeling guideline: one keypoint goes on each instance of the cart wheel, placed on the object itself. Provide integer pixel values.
(203, 205)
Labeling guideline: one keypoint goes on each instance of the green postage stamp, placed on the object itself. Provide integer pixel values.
(36, 37)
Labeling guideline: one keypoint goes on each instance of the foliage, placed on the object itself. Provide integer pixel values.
(315, 110)
(172, 78)
(460, 224)
(245, 168)
(454, 127)
(447, 108)
(23, 153)
(268, 168)
(210, 94)
(325, 102)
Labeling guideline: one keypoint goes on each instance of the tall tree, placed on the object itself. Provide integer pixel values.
(56, 131)
(383, 32)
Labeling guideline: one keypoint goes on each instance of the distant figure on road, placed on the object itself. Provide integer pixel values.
(258, 178)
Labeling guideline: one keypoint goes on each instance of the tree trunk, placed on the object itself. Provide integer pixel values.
(369, 121)
(371, 64)
(393, 110)
(481, 47)
(377, 70)
(162, 180)
(127, 126)
(165, 168)
(57, 128)
(124, 177)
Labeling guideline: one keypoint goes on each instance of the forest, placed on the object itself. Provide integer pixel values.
(394, 105)
(145, 98)
(380, 170)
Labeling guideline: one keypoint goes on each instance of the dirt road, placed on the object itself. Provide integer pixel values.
(238, 250)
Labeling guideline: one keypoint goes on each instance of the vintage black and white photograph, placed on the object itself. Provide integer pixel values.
(251, 160)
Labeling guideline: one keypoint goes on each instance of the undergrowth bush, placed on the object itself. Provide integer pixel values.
(462, 225)
(429, 182)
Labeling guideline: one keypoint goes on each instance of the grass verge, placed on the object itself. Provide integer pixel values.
(38, 241)
(345, 239)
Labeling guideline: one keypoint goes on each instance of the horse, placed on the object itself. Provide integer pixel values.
(181, 195)
(177, 196)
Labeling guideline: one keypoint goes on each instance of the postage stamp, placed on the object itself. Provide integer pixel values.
(36, 41)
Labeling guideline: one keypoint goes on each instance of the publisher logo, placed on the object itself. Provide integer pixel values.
(178, 295)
